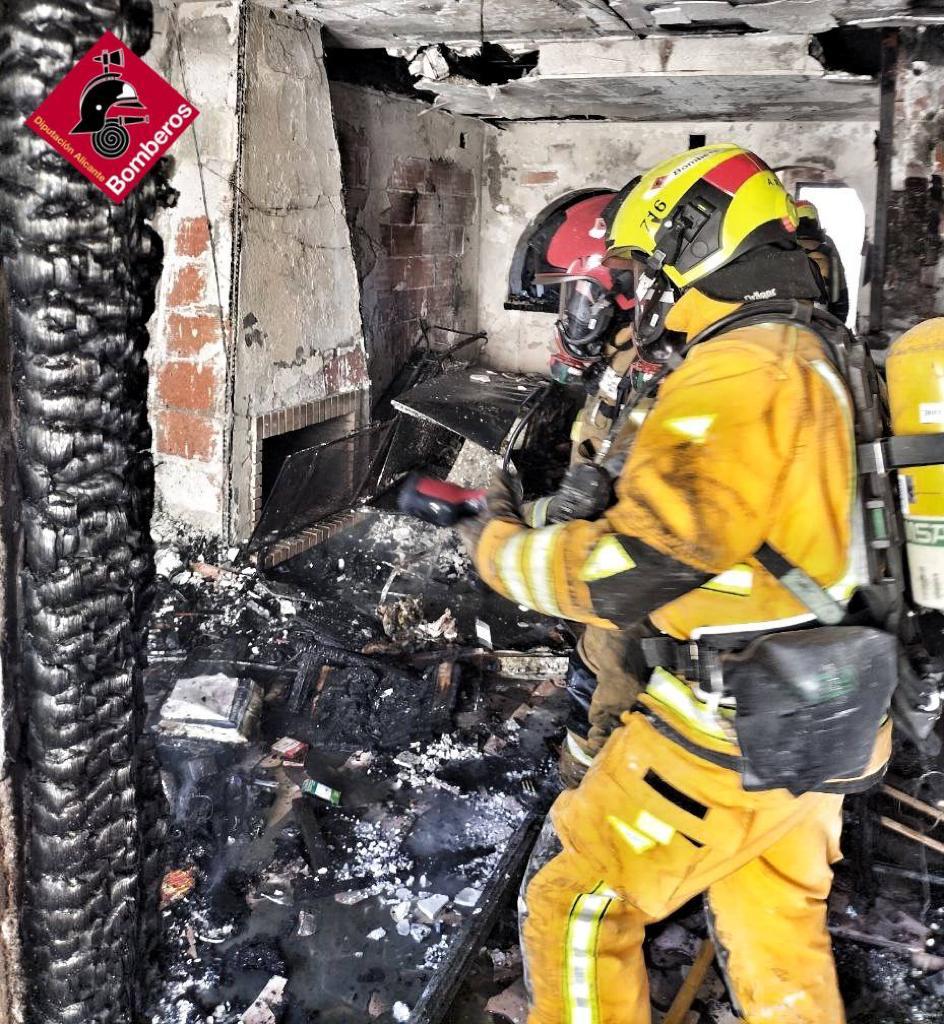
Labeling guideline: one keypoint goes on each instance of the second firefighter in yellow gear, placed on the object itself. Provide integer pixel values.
(749, 445)
(601, 681)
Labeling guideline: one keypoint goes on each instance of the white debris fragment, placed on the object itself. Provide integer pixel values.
(419, 932)
(377, 934)
(443, 628)
(287, 607)
(430, 63)
(401, 911)
(401, 1012)
(167, 562)
(468, 897)
(430, 908)
(306, 924)
(261, 1010)
(484, 633)
(403, 928)
(349, 899)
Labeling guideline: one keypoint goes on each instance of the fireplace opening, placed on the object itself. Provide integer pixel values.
(276, 449)
(280, 437)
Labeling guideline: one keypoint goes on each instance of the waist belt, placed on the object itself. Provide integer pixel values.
(700, 661)
(692, 659)
(703, 713)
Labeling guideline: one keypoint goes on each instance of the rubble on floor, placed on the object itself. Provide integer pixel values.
(350, 843)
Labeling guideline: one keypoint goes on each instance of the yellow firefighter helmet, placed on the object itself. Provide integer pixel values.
(699, 210)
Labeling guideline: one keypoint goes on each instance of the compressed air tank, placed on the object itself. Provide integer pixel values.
(915, 369)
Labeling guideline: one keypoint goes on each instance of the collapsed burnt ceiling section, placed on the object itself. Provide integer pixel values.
(81, 274)
(405, 23)
(758, 77)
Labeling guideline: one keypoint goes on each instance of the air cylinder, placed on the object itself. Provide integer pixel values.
(915, 369)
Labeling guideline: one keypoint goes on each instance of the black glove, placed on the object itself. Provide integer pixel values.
(585, 493)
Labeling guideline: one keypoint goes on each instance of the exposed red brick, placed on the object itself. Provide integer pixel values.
(185, 434)
(355, 164)
(401, 209)
(411, 272)
(442, 209)
(445, 176)
(355, 199)
(395, 307)
(183, 385)
(443, 297)
(409, 173)
(187, 334)
(418, 239)
(401, 337)
(193, 236)
(189, 286)
(538, 177)
(346, 371)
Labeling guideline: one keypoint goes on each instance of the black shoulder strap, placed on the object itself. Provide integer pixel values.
(801, 584)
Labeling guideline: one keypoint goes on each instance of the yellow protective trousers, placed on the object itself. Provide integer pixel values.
(652, 825)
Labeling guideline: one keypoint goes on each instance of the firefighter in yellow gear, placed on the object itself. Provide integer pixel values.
(601, 680)
(593, 345)
(822, 250)
(749, 446)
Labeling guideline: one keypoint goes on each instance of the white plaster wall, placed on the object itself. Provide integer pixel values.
(298, 315)
(609, 154)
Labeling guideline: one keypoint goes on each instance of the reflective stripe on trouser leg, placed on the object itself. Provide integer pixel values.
(581, 997)
(618, 968)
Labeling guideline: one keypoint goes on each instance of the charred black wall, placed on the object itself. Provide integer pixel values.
(915, 208)
(81, 275)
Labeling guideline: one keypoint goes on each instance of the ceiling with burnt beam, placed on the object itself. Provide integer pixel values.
(411, 23)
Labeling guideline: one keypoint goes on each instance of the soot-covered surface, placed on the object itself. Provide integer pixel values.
(80, 272)
(328, 896)
(442, 752)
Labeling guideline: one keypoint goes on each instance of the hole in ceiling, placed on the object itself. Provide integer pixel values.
(494, 65)
(375, 69)
(857, 51)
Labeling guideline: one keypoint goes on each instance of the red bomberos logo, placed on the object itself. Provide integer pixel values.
(112, 117)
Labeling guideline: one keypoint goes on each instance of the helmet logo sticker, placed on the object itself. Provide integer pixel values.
(112, 117)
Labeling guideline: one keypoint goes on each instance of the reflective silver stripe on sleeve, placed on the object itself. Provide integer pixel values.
(510, 569)
(538, 568)
(539, 512)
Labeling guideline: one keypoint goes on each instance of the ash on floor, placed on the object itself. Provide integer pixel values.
(368, 653)
(340, 797)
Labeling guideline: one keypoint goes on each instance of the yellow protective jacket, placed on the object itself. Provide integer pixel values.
(749, 441)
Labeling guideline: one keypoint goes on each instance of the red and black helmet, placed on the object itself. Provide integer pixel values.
(595, 301)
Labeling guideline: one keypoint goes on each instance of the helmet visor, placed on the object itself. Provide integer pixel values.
(586, 310)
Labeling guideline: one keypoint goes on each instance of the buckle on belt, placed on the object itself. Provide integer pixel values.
(707, 674)
(695, 661)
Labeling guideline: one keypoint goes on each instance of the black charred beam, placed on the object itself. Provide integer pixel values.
(81, 274)
(884, 152)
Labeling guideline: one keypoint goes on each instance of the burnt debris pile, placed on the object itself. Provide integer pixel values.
(350, 811)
